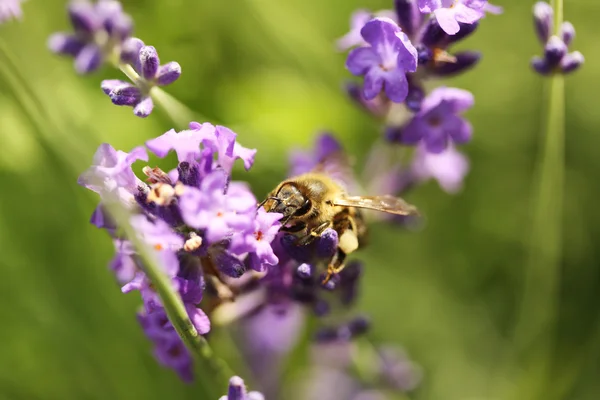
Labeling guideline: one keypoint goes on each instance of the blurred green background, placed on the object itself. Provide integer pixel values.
(449, 294)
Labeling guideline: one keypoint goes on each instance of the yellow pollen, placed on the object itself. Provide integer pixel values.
(158, 247)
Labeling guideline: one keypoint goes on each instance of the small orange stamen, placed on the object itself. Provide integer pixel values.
(158, 247)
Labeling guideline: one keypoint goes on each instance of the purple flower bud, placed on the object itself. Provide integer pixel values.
(237, 391)
(409, 17)
(321, 308)
(359, 325)
(66, 44)
(189, 174)
(327, 244)
(301, 254)
(130, 52)
(349, 282)
(433, 34)
(541, 66)
(149, 62)
(108, 85)
(543, 16)
(89, 59)
(168, 73)
(424, 53)
(571, 62)
(125, 94)
(465, 60)
(84, 18)
(567, 32)
(554, 50)
(144, 107)
(378, 106)
(304, 271)
(415, 97)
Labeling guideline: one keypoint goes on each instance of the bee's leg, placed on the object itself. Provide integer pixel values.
(312, 235)
(294, 228)
(336, 265)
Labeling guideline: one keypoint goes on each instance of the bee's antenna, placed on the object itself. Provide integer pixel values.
(262, 203)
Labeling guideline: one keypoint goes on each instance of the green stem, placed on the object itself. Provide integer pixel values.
(171, 300)
(535, 329)
(179, 113)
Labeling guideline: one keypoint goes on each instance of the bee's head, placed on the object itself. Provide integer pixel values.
(288, 201)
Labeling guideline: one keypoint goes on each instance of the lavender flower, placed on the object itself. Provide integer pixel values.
(556, 58)
(438, 123)
(190, 217)
(100, 29)
(385, 62)
(449, 13)
(357, 21)
(237, 391)
(145, 61)
(449, 168)
(10, 9)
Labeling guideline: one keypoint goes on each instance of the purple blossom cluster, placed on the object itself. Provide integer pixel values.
(99, 30)
(102, 33)
(144, 60)
(398, 52)
(237, 391)
(556, 57)
(201, 225)
(10, 9)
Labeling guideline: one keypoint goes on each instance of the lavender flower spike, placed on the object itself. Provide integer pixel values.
(145, 61)
(450, 12)
(385, 62)
(438, 123)
(556, 58)
(100, 29)
(237, 391)
(10, 9)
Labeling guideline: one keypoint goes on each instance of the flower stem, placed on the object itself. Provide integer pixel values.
(171, 301)
(535, 329)
(179, 113)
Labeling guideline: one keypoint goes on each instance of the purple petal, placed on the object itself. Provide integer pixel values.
(125, 94)
(414, 131)
(198, 318)
(168, 74)
(447, 19)
(228, 264)
(89, 59)
(361, 60)
(373, 83)
(396, 85)
(407, 54)
(467, 15)
(436, 140)
(448, 168)
(381, 34)
(428, 6)
(185, 143)
(64, 43)
(353, 38)
(144, 107)
(459, 129)
(149, 62)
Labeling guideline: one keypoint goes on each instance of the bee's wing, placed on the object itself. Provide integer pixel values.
(385, 203)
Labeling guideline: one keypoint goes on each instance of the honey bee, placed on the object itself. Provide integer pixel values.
(313, 202)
